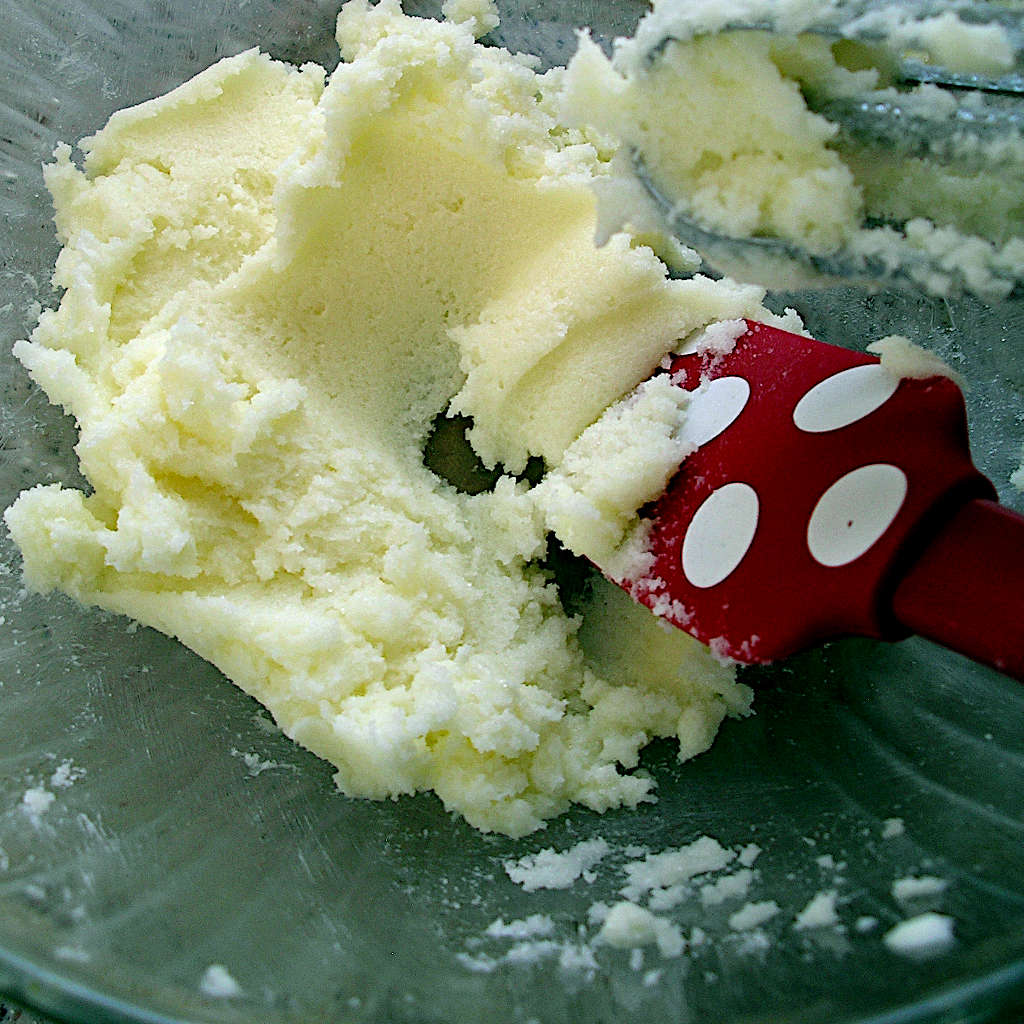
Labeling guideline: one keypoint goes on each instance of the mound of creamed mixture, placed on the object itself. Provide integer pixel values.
(274, 282)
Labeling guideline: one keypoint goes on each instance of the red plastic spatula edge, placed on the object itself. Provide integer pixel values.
(966, 590)
(827, 497)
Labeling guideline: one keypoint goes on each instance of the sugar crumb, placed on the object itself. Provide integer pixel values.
(753, 915)
(217, 982)
(551, 869)
(66, 774)
(676, 866)
(36, 802)
(534, 926)
(577, 958)
(749, 854)
(893, 828)
(922, 936)
(917, 887)
(820, 912)
(727, 887)
(628, 925)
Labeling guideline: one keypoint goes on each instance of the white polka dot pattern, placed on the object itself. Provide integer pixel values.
(844, 398)
(849, 517)
(811, 471)
(854, 513)
(720, 534)
(713, 408)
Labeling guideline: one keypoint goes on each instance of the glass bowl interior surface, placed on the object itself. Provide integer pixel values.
(198, 835)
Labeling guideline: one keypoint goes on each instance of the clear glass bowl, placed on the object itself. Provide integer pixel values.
(198, 835)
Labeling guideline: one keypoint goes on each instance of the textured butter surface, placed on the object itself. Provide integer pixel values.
(724, 125)
(273, 285)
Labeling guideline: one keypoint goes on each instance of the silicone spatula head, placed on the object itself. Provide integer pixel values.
(819, 479)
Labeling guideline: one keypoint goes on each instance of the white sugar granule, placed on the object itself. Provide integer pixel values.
(532, 951)
(727, 887)
(66, 774)
(668, 898)
(628, 925)
(749, 854)
(923, 936)
(916, 887)
(532, 927)
(673, 867)
(752, 915)
(820, 912)
(893, 828)
(36, 801)
(551, 869)
(577, 958)
(256, 765)
(754, 941)
(217, 982)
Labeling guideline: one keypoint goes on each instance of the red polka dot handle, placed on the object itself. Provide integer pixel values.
(827, 496)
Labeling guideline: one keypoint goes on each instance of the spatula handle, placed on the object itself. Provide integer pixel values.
(967, 588)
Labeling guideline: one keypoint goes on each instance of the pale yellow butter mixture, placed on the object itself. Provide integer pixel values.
(274, 283)
(721, 119)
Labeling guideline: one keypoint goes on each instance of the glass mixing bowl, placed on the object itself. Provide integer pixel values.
(190, 833)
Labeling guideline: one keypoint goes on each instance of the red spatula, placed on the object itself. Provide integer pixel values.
(828, 497)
